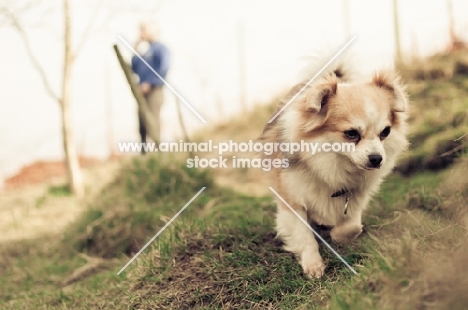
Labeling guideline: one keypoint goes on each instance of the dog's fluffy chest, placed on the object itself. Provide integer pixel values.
(315, 195)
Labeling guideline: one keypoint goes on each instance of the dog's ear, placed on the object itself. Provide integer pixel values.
(316, 97)
(391, 83)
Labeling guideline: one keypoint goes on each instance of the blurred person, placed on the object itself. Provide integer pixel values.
(157, 56)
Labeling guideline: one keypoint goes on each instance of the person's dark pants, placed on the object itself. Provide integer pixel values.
(154, 101)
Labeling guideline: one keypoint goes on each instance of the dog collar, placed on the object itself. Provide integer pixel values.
(341, 192)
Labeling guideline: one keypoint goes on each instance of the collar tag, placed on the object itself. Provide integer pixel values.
(341, 193)
(346, 205)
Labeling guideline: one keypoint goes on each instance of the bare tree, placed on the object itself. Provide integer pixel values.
(242, 66)
(451, 18)
(347, 19)
(396, 28)
(71, 156)
(12, 14)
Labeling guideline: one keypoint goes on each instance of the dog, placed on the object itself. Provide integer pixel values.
(334, 188)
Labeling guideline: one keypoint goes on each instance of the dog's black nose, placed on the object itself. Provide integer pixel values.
(375, 160)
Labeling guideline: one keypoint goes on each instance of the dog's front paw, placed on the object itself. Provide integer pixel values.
(345, 234)
(312, 265)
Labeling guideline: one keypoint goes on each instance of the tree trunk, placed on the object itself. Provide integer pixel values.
(75, 180)
(242, 67)
(143, 108)
(396, 25)
(451, 24)
(347, 19)
(182, 124)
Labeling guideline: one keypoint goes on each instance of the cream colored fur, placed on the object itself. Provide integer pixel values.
(322, 113)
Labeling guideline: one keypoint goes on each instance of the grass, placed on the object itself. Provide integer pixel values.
(444, 102)
(59, 191)
(221, 252)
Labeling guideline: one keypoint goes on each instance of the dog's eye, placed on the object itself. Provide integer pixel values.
(352, 134)
(385, 132)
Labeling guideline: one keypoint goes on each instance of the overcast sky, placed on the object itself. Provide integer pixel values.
(203, 37)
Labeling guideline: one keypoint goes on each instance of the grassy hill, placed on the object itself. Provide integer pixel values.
(221, 252)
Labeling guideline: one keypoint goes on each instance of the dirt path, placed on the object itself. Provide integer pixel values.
(32, 210)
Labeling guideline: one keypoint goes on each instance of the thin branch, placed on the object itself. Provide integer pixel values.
(182, 124)
(43, 24)
(454, 150)
(84, 37)
(32, 57)
(147, 11)
(466, 134)
(12, 10)
(38, 67)
(140, 99)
